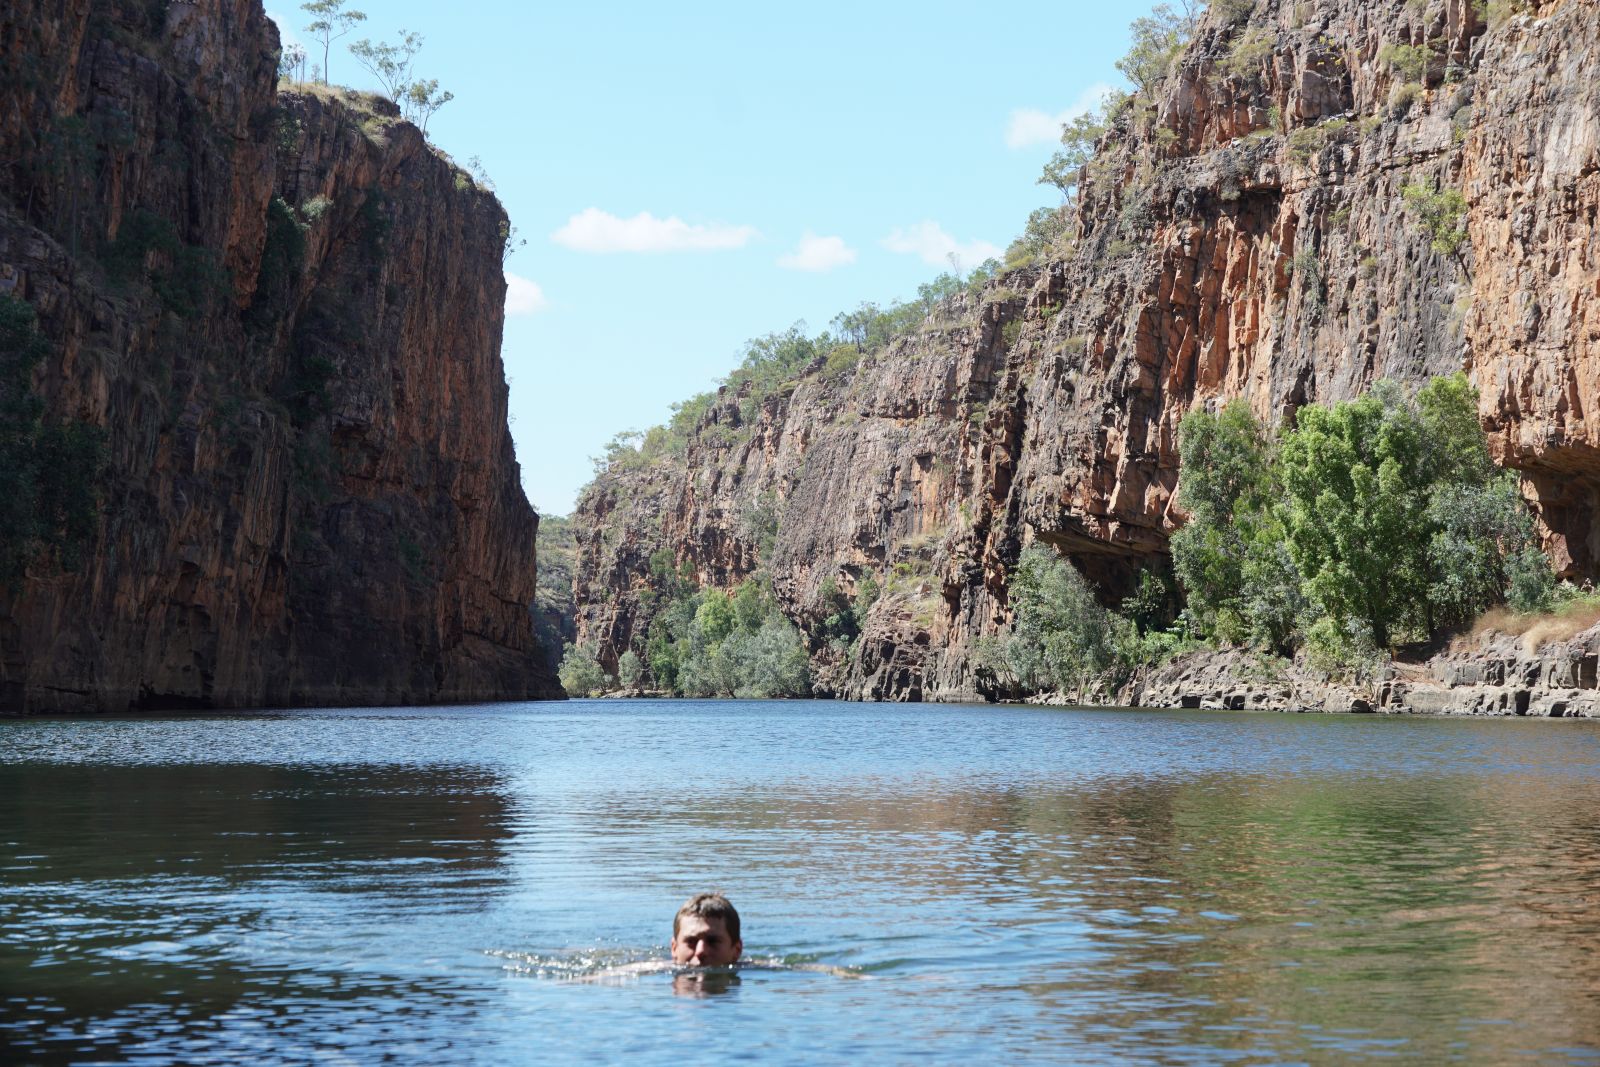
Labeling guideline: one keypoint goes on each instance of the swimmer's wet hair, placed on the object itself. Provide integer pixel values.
(710, 906)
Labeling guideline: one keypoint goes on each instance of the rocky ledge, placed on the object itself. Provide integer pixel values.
(1494, 673)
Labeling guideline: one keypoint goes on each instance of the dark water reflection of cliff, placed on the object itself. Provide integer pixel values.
(171, 897)
(1071, 886)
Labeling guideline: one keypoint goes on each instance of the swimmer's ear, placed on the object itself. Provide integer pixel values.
(738, 949)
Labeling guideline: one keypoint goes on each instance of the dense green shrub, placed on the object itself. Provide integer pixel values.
(1410, 62)
(1372, 522)
(1495, 12)
(1158, 39)
(1249, 52)
(1061, 638)
(630, 669)
(1232, 11)
(1442, 212)
(844, 616)
(712, 643)
(581, 675)
(1229, 558)
(1045, 227)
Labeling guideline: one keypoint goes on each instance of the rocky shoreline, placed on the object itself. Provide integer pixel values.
(1491, 674)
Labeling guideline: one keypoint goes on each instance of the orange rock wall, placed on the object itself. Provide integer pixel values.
(311, 495)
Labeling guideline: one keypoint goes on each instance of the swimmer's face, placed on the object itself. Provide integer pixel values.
(704, 943)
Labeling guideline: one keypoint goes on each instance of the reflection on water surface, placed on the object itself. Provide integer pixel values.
(1070, 885)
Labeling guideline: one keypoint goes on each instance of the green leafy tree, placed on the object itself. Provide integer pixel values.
(1355, 487)
(1442, 212)
(390, 63)
(1482, 548)
(581, 675)
(292, 63)
(669, 643)
(1394, 514)
(711, 643)
(1158, 39)
(716, 619)
(1374, 521)
(1078, 140)
(1226, 488)
(1045, 226)
(1061, 637)
(331, 20)
(752, 604)
(942, 288)
(777, 663)
(630, 669)
(422, 99)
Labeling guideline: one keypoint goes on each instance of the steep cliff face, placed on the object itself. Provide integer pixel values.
(1242, 233)
(284, 313)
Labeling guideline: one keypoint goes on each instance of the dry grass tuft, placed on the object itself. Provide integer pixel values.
(1565, 622)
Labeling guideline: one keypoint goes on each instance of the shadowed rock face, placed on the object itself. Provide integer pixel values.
(311, 495)
(1245, 235)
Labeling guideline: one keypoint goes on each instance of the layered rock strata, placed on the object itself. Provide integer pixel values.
(283, 311)
(1493, 674)
(1243, 233)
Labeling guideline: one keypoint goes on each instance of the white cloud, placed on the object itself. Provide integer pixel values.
(286, 34)
(1030, 126)
(593, 230)
(523, 296)
(818, 254)
(929, 241)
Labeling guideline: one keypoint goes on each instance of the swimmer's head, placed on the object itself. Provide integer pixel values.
(705, 932)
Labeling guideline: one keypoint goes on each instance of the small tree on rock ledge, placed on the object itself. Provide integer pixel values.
(330, 22)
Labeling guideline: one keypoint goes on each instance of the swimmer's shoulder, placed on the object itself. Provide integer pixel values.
(630, 970)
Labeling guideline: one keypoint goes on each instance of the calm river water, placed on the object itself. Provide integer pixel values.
(426, 885)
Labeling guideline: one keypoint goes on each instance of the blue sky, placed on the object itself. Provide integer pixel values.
(689, 177)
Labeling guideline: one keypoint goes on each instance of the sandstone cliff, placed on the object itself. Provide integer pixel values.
(1242, 234)
(283, 311)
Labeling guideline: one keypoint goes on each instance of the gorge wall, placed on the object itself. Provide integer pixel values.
(1241, 233)
(280, 313)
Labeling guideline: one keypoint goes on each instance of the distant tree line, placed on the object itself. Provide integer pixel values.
(703, 643)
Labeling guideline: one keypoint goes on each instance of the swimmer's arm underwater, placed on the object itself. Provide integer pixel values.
(634, 970)
(630, 970)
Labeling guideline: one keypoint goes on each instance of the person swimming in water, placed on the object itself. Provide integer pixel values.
(706, 935)
(705, 932)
